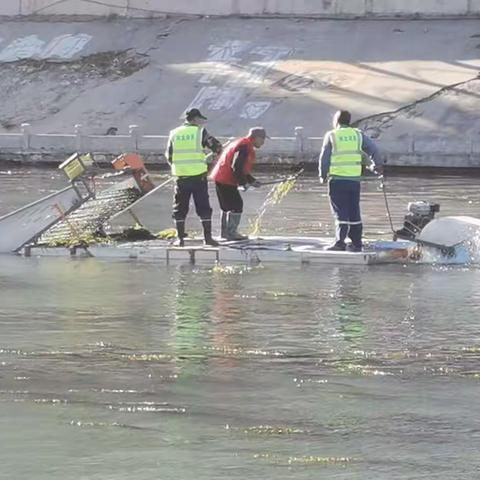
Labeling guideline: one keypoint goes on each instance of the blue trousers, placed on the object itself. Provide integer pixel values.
(196, 187)
(345, 204)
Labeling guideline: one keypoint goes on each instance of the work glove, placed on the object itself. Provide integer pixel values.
(211, 158)
(377, 169)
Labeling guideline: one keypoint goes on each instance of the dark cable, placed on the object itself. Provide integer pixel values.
(387, 207)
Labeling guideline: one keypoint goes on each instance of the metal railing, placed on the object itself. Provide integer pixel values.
(411, 150)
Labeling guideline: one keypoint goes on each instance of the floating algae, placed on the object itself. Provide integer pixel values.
(315, 460)
(78, 239)
(273, 430)
(88, 238)
(167, 234)
(134, 234)
(148, 357)
(277, 193)
(303, 459)
(232, 269)
(85, 226)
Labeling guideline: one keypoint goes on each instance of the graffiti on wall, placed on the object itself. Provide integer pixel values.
(31, 46)
(254, 110)
(232, 70)
(296, 82)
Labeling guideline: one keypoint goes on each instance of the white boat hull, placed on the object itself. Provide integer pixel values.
(301, 250)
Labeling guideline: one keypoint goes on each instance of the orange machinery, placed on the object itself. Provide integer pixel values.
(133, 163)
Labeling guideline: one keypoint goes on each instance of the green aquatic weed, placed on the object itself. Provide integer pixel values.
(273, 430)
(274, 197)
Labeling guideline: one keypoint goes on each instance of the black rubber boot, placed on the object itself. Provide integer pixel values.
(355, 234)
(337, 247)
(354, 248)
(232, 226)
(207, 234)
(180, 226)
(223, 225)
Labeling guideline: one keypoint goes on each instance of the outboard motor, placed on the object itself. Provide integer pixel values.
(418, 216)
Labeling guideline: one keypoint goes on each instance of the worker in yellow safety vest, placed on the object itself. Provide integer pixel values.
(341, 162)
(188, 160)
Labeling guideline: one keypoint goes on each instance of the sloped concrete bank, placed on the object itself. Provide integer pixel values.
(411, 84)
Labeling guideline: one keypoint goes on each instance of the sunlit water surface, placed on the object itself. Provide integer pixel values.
(130, 370)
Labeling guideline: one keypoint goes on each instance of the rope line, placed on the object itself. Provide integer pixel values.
(103, 4)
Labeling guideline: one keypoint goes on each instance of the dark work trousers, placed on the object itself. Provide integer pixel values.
(229, 198)
(345, 204)
(186, 187)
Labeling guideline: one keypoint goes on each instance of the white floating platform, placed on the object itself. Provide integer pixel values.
(306, 250)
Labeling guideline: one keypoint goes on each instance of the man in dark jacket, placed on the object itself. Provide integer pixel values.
(185, 154)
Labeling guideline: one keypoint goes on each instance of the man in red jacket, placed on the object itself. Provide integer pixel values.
(232, 170)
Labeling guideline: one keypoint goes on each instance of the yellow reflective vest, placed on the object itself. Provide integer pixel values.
(188, 157)
(346, 158)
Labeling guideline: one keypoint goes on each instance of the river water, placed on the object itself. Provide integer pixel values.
(131, 370)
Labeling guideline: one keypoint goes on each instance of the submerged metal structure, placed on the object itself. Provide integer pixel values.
(77, 212)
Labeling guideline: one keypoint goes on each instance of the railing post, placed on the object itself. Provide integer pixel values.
(78, 129)
(25, 129)
(133, 132)
(368, 9)
(299, 143)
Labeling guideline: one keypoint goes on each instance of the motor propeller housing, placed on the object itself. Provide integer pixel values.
(420, 213)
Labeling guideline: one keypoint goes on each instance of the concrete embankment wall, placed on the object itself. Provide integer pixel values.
(322, 8)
